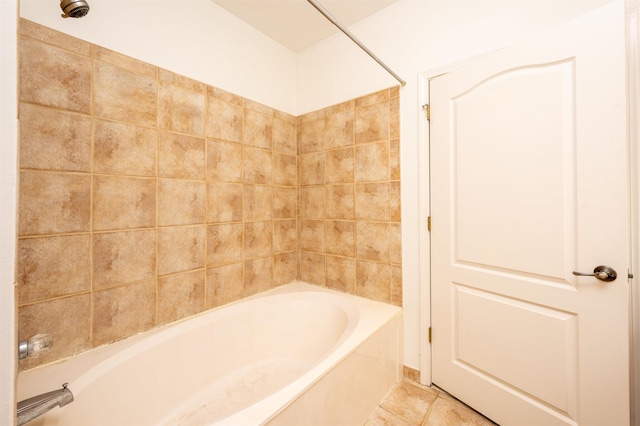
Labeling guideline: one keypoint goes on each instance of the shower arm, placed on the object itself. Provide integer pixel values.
(353, 38)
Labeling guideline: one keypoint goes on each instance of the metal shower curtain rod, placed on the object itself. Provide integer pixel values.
(353, 38)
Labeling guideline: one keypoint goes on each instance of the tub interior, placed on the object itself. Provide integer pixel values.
(284, 340)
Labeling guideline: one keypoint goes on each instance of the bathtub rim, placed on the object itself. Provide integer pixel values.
(117, 346)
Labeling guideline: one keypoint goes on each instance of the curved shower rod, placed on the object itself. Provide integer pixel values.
(353, 38)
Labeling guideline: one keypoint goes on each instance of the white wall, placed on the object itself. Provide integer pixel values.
(413, 37)
(195, 38)
(8, 167)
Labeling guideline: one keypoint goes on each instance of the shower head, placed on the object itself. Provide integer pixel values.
(74, 8)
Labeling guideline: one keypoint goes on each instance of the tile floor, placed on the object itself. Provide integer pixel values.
(412, 404)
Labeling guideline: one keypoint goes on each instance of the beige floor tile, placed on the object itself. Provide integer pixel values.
(448, 412)
(382, 417)
(409, 402)
(413, 404)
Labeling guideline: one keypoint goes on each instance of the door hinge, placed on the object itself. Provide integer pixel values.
(429, 334)
(429, 223)
(427, 108)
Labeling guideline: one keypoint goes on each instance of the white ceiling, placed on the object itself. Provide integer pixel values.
(296, 24)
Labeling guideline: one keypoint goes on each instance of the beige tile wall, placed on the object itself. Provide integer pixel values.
(146, 197)
(350, 235)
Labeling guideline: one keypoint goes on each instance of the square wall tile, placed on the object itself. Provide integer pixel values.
(123, 202)
(339, 166)
(372, 162)
(125, 149)
(312, 202)
(180, 109)
(258, 167)
(372, 241)
(224, 202)
(339, 129)
(224, 161)
(311, 130)
(285, 169)
(258, 239)
(52, 203)
(285, 202)
(224, 243)
(258, 202)
(54, 140)
(312, 235)
(341, 274)
(51, 267)
(181, 202)
(373, 280)
(395, 243)
(394, 159)
(285, 138)
(395, 209)
(181, 156)
(285, 268)
(123, 311)
(372, 123)
(394, 117)
(258, 275)
(223, 120)
(372, 201)
(258, 129)
(312, 268)
(181, 248)
(285, 235)
(181, 295)
(222, 284)
(124, 96)
(122, 257)
(340, 202)
(66, 319)
(54, 77)
(312, 169)
(341, 237)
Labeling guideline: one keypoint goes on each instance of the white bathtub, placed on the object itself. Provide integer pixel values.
(296, 355)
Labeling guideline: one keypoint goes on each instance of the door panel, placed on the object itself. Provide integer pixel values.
(541, 343)
(495, 194)
(529, 183)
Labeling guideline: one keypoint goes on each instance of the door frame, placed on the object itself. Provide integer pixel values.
(424, 211)
(632, 37)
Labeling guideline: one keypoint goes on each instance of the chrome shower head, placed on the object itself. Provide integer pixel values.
(74, 8)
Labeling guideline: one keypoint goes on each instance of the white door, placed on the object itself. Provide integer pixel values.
(528, 163)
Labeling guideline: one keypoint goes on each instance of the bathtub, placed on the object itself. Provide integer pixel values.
(295, 355)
